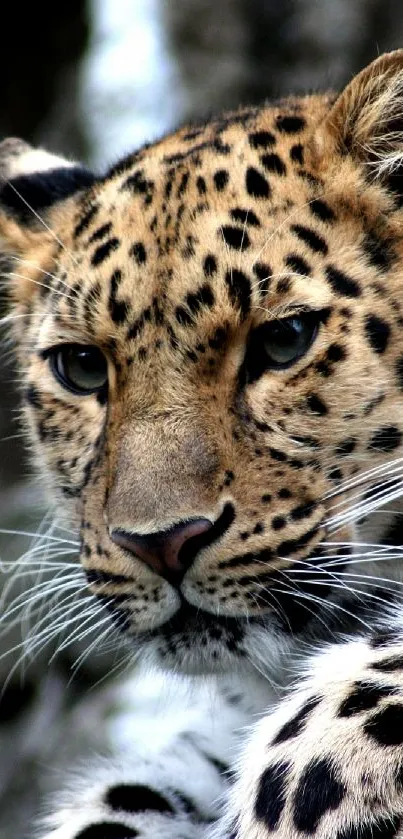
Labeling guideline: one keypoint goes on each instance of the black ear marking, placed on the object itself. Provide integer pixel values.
(40, 190)
(31, 180)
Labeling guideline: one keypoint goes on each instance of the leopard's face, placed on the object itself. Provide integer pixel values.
(210, 360)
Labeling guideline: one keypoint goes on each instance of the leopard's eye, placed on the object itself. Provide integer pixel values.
(287, 340)
(80, 368)
(280, 343)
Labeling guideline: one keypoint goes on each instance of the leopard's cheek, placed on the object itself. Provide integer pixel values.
(67, 439)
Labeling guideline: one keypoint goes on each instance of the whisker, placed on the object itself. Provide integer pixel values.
(360, 510)
(359, 594)
(327, 604)
(366, 477)
(37, 267)
(16, 276)
(8, 532)
(380, 485)
(41, 220)
(73, 636)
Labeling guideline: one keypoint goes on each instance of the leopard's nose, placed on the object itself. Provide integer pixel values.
(167, 552)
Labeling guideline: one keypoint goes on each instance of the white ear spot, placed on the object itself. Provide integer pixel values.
(19, 158)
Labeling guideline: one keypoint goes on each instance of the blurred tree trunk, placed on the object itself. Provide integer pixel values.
(243, 51)
(41, 48)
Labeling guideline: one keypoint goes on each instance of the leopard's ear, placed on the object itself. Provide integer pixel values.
(366, 120)
(33, 184)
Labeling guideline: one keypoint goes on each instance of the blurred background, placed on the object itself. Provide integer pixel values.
(93, 80)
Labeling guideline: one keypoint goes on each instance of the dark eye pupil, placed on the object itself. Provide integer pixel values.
(81, 369)
(279, 344)
(288, 340)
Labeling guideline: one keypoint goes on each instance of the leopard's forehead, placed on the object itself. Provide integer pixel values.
(213, 226)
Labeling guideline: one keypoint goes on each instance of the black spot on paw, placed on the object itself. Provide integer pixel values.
(388, 665)
(201, 185)
(100, 232)
(363, 697)
(136, 798)
(388, 636)
(278, 523)
(182, 316)
(203, 297)
(318, 791)
(381, 829)
(183, 184)
(271, 794)
(386, 726)
(217, 341)
(138, 184)
(294, 726)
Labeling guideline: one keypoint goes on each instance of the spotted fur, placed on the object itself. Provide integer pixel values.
(175, 265)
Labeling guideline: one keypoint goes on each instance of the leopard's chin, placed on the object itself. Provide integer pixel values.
(194, 641)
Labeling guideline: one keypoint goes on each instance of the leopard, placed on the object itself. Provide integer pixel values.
(211, 376)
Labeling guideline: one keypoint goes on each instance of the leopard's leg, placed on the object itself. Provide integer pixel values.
(170, 780)
(162, 798)
(328, 763)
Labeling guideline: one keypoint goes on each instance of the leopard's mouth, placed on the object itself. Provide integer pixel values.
(198, 638)
(197, 641)
(188, 619)
(283, 601)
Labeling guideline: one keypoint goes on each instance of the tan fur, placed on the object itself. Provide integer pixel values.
(172, 265)
(177, 422)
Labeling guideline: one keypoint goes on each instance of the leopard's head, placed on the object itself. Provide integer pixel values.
(208, 339)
